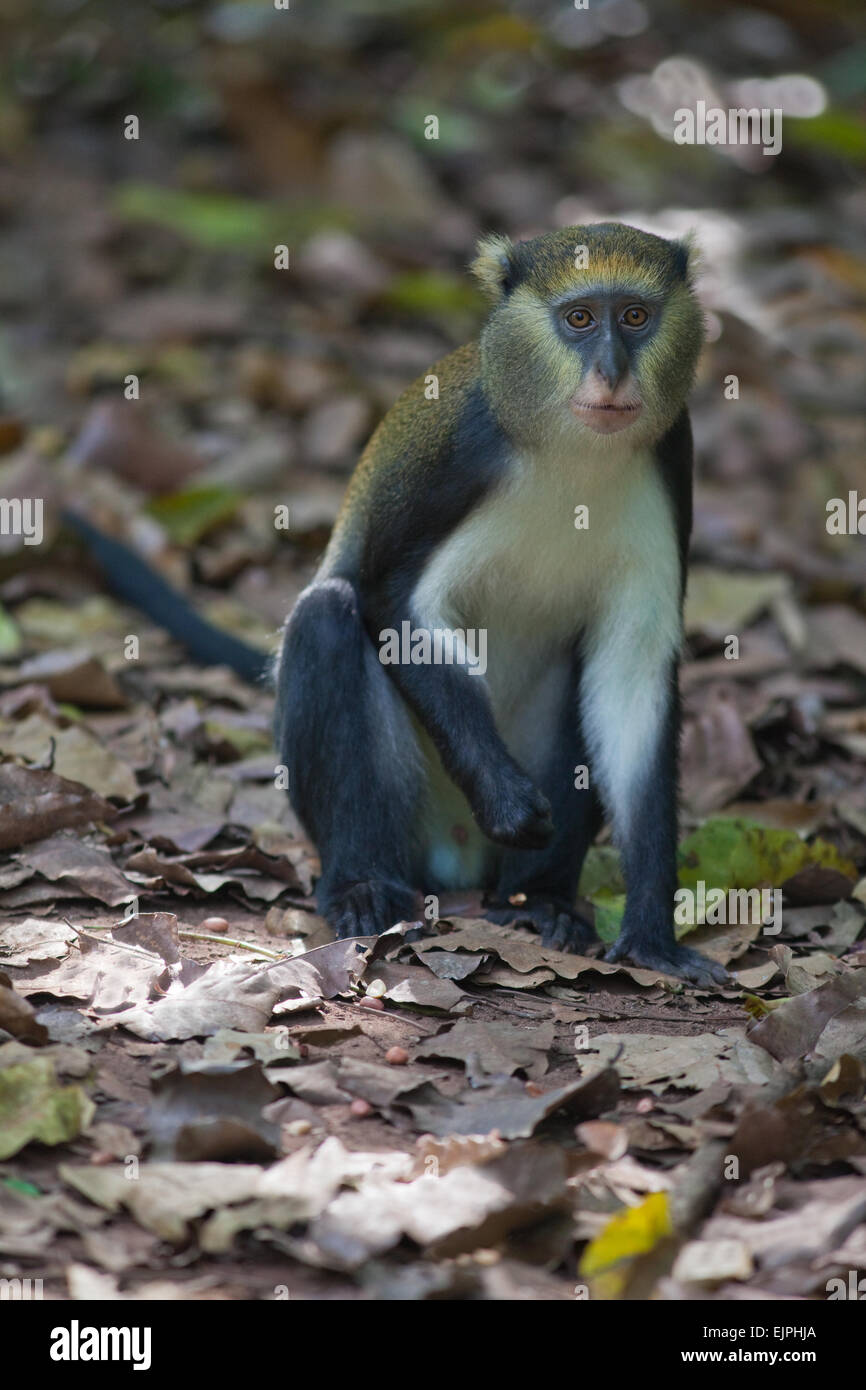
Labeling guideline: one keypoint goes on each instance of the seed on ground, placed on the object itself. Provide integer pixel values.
(214, 924)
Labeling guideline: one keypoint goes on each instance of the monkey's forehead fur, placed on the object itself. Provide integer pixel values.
(616, 256)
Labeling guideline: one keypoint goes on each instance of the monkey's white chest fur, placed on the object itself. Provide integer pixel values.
(520, 569)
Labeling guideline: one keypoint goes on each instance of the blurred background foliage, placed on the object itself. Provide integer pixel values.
(307, 127)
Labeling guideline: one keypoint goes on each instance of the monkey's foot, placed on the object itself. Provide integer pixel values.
(369, 908)
(558, 925)
(512, 811)
(678, 960)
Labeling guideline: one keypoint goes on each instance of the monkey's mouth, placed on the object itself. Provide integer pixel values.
(608, 417)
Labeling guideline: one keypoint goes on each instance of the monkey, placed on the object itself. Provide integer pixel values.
(423, 775)
(533, 489)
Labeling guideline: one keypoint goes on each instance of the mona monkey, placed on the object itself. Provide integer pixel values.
(461, 515)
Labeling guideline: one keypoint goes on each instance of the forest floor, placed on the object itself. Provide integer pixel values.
(202, 1094)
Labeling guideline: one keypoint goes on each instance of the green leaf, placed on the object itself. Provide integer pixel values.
(839, 133)
(34, 1106)
(741, 854)
(210, 220)
(217, 222)
(10, 637)
(608, 916)
(602, 882)
(602, 873)
(247, 743)
(458, 133)
(724, 853)
(434, 293)
(189, 515)
(27, 1189)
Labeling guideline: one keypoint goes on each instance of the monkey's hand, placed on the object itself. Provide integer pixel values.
(511, 810)
(555, 920)
(368, 908)
(670, 959)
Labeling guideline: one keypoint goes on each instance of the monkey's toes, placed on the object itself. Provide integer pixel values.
(681, 961)
(558, 925)
(567, 932)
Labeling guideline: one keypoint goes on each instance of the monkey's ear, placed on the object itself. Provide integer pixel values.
(493, 266)
(686, 256)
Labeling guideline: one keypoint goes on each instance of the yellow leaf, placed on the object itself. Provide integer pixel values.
(631, 1232)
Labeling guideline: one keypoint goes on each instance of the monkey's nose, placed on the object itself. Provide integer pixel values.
(610, 374)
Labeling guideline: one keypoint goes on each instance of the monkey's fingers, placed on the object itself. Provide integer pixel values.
(520, 817)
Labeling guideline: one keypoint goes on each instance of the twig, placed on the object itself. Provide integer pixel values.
(118, 945)
(181, 931)
(231, 941)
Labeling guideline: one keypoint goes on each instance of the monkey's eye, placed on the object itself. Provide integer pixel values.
(579, 319)
(635, 316)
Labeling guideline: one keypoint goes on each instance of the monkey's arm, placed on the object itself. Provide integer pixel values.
(136, 582)
(454, 708)
(427, 466)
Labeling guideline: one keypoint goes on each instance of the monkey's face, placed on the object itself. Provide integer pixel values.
(606, 331)
(600, 348)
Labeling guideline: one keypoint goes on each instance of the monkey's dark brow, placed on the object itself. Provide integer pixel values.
(579, 298)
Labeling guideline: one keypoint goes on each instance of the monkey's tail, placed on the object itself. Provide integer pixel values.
(136, 582)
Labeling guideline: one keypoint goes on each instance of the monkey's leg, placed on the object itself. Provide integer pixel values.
(454, 707)
(549, 877)
(631, 712)
(354, 772)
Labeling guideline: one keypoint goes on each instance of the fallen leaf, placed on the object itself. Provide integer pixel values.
(34, 1106)
(507, 1109)
(631, 1232)
(719, 758)
(18, 1017)
(722, 602)
(208, 1110)
(75, 677)
(712, 1261)
(495, 1048)
(77, 755)
(34, 803)
(34, 939)
(88, 868)
(795, 1027)
(695, 1061)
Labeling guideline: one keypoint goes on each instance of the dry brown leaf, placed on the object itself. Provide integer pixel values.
(35, 803)
(77, 755)
(88, 868)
